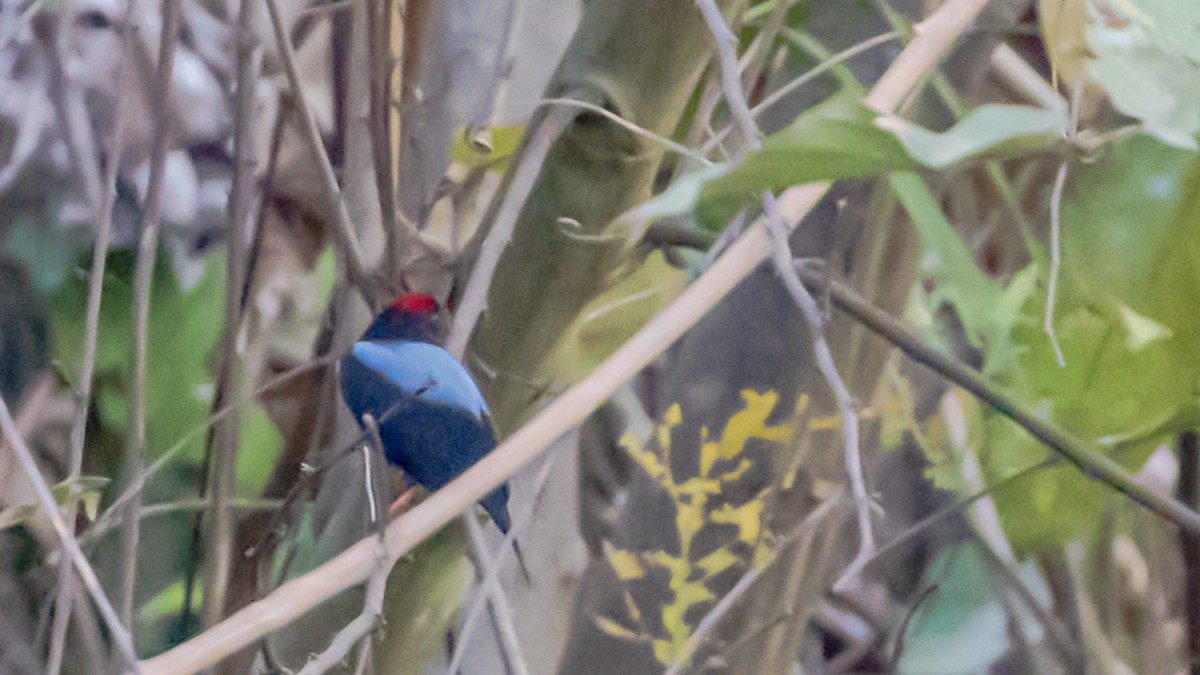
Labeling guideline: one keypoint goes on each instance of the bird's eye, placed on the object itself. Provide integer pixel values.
(94, 19)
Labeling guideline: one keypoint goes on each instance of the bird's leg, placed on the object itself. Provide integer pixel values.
(402, 502)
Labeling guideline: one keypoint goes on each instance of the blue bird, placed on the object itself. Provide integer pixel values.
(433, 421)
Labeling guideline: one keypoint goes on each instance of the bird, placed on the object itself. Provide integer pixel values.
(432, 418)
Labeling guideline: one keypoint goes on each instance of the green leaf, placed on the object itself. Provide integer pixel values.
(1127, 320)
(183, 330)
(1141, 330)
(991, 129)
(493, 148)
(86, 489)
(19, 514)
(1148, 59)
(680, 197)
(837, 138)
(842, 138)
(947, 261)
(963, 626)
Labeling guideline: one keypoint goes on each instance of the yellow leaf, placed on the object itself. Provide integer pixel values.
(624, 563)
(718, 561)
(747, 518)
(610, 627)
(751, 422)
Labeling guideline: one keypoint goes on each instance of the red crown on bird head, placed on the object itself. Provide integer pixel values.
(415, 303)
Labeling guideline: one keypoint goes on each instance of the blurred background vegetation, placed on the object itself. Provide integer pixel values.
(223, 191)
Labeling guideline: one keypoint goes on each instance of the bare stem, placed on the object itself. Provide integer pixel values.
(491, 574)
(142, 285)
(474, 298)
(782, 257)
(1060, 179)
(343, 229)
(222, 456)
(1188, 492)
(510, 646)
(357, 629)
(102, 196)
(637, 129)
(731, 80)
(816, 71)
(65, 536)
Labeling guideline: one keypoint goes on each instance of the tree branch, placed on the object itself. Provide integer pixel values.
(147, 254)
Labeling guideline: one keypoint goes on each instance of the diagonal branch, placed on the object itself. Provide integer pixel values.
(46, 499)
(731, 78)
(474, 299)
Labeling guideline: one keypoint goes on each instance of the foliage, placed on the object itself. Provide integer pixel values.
(699, 503)
(1126, 320)
(1147, 57)
(843, 138)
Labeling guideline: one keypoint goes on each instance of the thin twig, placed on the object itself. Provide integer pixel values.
(384, 71)
(1014, 70)
(898, 647)
(102, 202)
(297, 596)
(46, 500)
(782, 256)
(1188, 492)
(505, 65)
(1056, 632)
(112, 515)
(731, 80)
(343, 229)
(474, 298)
(368, 619)
(1093, 463)
(502, 612)
(816, 71)
(98, 531)
(221, 460)
(492, 575)
(363, 624)
(759, 51)
(1060, 180)
(143, 281)
(637, 129)
(918, 528)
